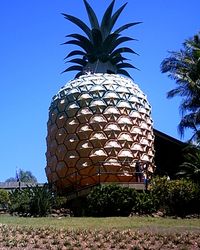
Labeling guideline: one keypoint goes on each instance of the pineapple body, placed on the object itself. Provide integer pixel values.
(99, 126)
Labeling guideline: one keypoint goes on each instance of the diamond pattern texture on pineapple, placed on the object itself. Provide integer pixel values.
(99, 126)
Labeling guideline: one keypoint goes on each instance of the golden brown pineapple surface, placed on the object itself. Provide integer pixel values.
(99, 126)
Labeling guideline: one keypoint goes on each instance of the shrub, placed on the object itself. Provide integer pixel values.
(146, 203)
(19, 201)
(36, 201)
(59, 201)
(159, 188)
(183, 197)
(41, 200)
(177, 197)
(4, 199)
(111, 200)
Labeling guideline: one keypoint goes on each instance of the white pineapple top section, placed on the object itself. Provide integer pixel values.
(108, 86)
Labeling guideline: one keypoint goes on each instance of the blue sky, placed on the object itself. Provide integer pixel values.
(32, 60)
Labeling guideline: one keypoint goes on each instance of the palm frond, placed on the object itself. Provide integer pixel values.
(186, 122)
(184, 67)
(174, 92)
(190, 168)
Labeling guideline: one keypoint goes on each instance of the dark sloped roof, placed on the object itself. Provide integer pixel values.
(168, 153)
(168, 138)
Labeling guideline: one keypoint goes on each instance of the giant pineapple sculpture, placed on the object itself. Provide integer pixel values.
(100, 123)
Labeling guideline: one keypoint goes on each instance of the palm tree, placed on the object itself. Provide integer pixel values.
(190, 168)
(184, 67)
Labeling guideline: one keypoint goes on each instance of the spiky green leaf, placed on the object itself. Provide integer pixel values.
(82, 39)
(78, 61)
(92, 16)
(106, 20)
(123, 72)
(117, 59)
(107, 44)
(96, 38)
(73, 68)
(119, 41)
(115, 17)
(125, 65)
(79, 23)
(84, 45)
(122, 50)
(125, 26)
(78, 74)
(99, 44)
(75, 53)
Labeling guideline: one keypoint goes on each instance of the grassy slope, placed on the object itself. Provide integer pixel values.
(121, 223)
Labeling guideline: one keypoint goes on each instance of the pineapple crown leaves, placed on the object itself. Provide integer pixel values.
(101, 45)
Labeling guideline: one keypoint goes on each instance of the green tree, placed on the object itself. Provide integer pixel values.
(23, 176)
(184, 67)
(11, 179)
(27, 176)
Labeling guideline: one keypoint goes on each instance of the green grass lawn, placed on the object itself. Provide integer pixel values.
(120, 223)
